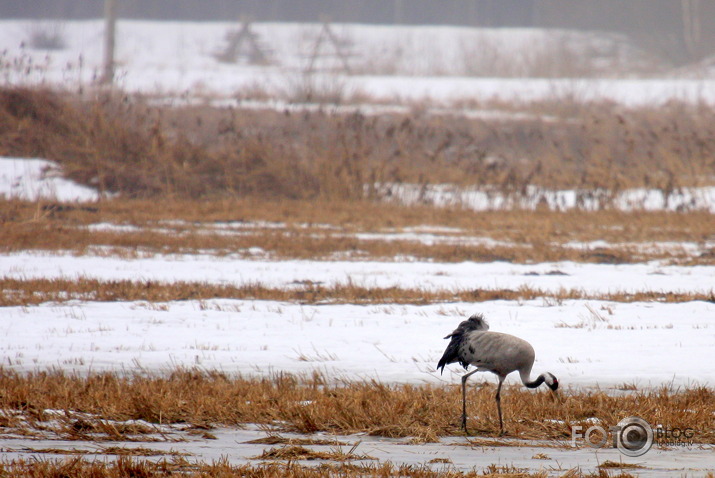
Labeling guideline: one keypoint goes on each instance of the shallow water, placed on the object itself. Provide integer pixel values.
(451, 453)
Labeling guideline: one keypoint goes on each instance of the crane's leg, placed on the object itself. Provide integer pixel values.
(464, 398)
(498, 399)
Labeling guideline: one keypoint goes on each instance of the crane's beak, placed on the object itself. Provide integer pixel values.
(556, 396)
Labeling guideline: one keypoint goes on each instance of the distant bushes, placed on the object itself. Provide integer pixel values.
(123, 145)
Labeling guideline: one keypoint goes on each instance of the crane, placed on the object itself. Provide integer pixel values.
(473, 344)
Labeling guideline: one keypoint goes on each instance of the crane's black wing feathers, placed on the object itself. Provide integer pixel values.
(451, 354)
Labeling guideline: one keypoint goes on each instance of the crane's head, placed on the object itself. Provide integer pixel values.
(551, 381)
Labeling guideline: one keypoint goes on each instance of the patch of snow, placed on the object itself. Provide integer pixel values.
(485, 199)
(33, 179)
(412, 274)
(651, 344)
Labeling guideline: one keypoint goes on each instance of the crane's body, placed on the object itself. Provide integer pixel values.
(473, 344)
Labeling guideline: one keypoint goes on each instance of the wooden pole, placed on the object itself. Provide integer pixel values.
(110, 28)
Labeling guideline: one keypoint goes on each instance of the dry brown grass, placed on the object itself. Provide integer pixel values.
(618, 464)
(298, 452)
(128, 467)
(107, 450)
(22, 292)
(121, 144)
(311, 404)
(187, 227)
(517, 226)
(125, 467)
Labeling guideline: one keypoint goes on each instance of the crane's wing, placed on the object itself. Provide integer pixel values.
(451, 354)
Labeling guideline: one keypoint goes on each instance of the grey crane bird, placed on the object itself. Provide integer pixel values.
(501, 354)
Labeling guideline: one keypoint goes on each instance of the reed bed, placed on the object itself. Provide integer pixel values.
(309, 404)
(124, 145)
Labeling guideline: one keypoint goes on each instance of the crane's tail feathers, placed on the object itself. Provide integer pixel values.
(440, 365)
(451, 354)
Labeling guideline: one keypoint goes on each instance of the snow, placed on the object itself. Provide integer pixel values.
(640, 343)
(237, 271)
(32, 179)
(394, 64)
(485, 199)
(585, 343)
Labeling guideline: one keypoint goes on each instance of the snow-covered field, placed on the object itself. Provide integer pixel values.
(649, 343)
(33, 179)
(388, 64)
(585, 343)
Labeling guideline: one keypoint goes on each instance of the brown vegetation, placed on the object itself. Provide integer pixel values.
(222, 164)
(123, 145)
(127, 467)
(312, 404)
(22, 292)
(315, 230)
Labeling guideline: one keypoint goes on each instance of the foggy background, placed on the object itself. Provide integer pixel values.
(677, 31)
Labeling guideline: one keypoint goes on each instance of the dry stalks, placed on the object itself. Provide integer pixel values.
(24, 292)
(180, 467)
(312, 404)
(320, 230)
(123, 145)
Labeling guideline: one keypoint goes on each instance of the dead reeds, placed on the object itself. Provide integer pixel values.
(181, 467)
(123, 145)
(311, 404)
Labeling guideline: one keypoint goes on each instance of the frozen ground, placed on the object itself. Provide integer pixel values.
(388, 64)
(422, 275)
(450, 454)
(585, 343)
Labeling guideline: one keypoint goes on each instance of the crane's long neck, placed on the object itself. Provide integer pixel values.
(525, 374)
(547, 377)
(535, 383)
